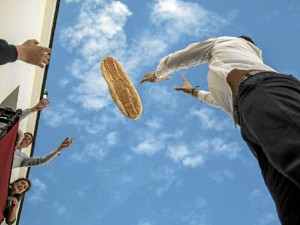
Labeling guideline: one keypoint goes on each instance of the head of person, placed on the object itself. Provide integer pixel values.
(247, 39)
(20, 186)
(26, 141)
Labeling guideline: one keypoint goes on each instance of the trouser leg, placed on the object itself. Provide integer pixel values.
(269, 111)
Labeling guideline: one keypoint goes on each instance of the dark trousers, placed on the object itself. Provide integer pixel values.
(269, 115)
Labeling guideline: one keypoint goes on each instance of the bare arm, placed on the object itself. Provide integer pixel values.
(12, 211)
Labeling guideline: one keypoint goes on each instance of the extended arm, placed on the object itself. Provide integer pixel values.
(194, 54)
(29, 52)
(35, 161)
(39, 106)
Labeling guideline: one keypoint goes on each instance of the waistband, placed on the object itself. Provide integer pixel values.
(262, 75)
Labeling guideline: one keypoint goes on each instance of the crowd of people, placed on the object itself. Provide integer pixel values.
(29, 52)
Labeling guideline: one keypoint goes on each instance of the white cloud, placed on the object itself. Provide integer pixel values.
(178, 153)
(154, 123)
(165, 177)
(125, 179)
(111, 138)
(193, 161)
(38, 191)
(150, 142)
(59, 114)
(62, 83)
(163, 97)
(221, 175)
(91, 151)
(148, 146)
(99, 30)
(59, 208)
(177, 18)
(221, 148)
(209, 120)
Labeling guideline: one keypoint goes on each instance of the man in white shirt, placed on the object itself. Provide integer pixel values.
(264, 103)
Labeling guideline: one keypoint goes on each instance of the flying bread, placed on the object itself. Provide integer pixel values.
(121, 88)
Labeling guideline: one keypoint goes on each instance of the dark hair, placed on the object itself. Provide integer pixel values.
(247, 39)
(18, 196)
(29, 133)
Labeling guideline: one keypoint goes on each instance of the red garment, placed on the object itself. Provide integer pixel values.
(7, 146)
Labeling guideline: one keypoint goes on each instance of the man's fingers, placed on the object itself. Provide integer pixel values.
(48, 50)
(179, 89)
(142, 81)
(165, 78)
(40, 65)
(35, 42)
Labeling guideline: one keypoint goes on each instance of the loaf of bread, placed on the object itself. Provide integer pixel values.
(121, 88)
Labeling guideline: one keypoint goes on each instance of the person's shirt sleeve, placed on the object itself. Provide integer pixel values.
(25, 113)
(8, 53)
(39, 160)
(194, 54)
(207, 98)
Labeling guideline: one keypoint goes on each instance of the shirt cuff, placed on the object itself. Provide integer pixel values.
(202, 95)
(13, 53)
(8, 53)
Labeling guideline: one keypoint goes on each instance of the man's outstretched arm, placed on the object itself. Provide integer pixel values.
(192, 55)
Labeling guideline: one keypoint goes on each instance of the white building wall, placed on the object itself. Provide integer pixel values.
(21, 20)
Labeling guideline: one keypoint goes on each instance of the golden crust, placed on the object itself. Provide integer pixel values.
(121, 88)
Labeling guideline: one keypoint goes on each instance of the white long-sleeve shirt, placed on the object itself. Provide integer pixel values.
(222, 54)
(22, 160)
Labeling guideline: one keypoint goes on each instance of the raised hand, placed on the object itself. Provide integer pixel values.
(187, 87)
(150, 77)
(65, 144)
(41, 104)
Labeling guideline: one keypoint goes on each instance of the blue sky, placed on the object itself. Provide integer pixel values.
(181, 162)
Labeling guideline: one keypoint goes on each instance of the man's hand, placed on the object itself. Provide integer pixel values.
(65, 144)
(187, 88)
(40, 105)
(30, 52)
(150, 77)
